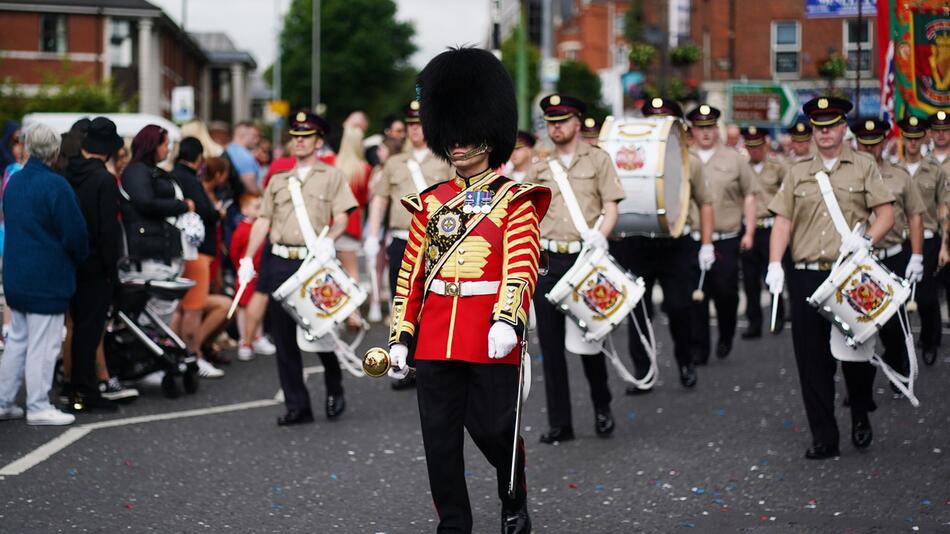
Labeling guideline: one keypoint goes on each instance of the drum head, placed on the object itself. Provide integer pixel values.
(675, 183)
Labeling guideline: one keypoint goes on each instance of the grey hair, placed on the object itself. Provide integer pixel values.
(41, 142)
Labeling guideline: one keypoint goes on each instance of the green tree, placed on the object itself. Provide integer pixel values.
(578, 80)
(509, 58)
(61, 92)
(364, 57)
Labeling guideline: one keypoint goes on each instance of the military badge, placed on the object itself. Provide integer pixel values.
(449, 224)
(600, 294)
(325, 293)
(865, 295)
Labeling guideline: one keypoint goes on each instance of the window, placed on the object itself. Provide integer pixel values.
(786, 48)
(53, 33)
(120, 43)
(856, 33)
(620, 23)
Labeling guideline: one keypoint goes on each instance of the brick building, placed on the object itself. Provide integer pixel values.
(131, 42)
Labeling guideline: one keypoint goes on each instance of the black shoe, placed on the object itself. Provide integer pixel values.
(752, 333)
(88, 403)
(603, 422)
(861, 433)
(295, 417)
(723, 348)
(929, 356)
(517, 522)
(408, 382)
(688, 376)
(558, 434)
(336, 404)
(821, 452)
(634, 390)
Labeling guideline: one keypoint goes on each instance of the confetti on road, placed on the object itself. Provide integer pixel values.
(333, 476)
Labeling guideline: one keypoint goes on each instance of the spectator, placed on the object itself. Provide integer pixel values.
(350, 161)
(120, 161)
(264, 154)
(241, 154)
(11, 132)
(220, 133)
(252, 304)
(198, 269)
(394, 131)
(96, 278)
(13, 145)
(198, 130)
(46, 228)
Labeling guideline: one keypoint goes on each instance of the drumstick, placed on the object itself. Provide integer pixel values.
(775, 301)
(912, 303)
(698, 294)
(237, 299)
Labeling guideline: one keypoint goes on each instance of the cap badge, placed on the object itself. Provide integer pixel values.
(589, 122)
(822, 103)
(869, 125)
(555, 100)
(799, 127)
(913, 121)
(704, 109)
(658, 103)
(301, 116)
(753, 130)
(941, 115)
(414, 105)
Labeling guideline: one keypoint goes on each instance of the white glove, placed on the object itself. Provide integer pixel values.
(371, 246)
(775, 278)
(854, 242)
(915, 268)
(325, 249)
(397, 361)
(707, 257)
(594, 239)
(501, 339)
(246, 271)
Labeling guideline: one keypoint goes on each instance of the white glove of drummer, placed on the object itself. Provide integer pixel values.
(371, 246)
(854, 242)
(707, 256)
(246, 271)
(501, 339)
(594, 239)
(775, 277)
(915, 268)
(325, 249)
(397, 361)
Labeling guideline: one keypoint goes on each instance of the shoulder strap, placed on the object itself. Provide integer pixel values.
(415, 170)
(564, 185)
(834, 210)
(300, 210)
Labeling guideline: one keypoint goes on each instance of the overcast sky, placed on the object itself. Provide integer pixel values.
(251, 24)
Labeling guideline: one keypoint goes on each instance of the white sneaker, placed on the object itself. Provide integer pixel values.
(50, 417)
(375, 314)
(152, 379)
(245, 353)
(206, 370)
(11, 412)
(262, 345)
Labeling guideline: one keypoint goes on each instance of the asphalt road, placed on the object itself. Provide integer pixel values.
(725, 457)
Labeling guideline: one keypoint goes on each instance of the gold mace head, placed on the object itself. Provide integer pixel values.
(376, 362)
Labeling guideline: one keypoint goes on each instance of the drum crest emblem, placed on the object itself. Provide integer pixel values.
(325, 293)
(630, 158)
(600, 294)
(864, 294)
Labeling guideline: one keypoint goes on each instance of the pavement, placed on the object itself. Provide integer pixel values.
(725, 457)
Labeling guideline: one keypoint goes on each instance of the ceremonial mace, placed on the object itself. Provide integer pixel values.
(520, 401)
(376, 363)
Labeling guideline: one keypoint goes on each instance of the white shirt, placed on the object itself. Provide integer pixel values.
(518, 176)
(302, 172)
(940, 157)
(829, 163)
(758, 167)
(705, 154)
(566, 159)
(912, 168)
(420, 154)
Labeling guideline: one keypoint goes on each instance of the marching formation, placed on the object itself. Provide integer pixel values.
(487, 234)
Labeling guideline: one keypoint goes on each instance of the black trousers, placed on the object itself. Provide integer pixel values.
(722, 288)
(816, 366)
(755, 265)
(667, 261)
(481, 398)
(551, 328)
(89, 309)
(395, 253)
(892, 337)
(928, 304)
(274, 271)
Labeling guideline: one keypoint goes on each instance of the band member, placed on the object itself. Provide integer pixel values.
(668, 261)
(595, 184)
(800, 147)
(908, 222)
(802, 220)
(590, 131)
(466, 281)
(931, 181)
(327, 196)
(940, 134)
(730, 186)
(522, 156)
(767, 175)
(397, 181)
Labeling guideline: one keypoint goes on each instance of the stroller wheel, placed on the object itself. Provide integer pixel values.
(190, 379)
(170, 387)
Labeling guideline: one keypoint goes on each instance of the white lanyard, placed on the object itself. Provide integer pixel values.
(573, 208)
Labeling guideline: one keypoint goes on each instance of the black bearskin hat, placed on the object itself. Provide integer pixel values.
(467, 98)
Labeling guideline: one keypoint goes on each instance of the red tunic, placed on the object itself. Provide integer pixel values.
(503, 247)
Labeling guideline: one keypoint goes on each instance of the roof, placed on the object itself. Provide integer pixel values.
(83, 6)
(219, 48)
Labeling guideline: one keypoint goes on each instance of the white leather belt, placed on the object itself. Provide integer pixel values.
(889, 252)
(814, 265)
(463, 289)
(400, 234)
(767, 222)
(289, 252)
(929, 234)
(716, 236)
(561, 247)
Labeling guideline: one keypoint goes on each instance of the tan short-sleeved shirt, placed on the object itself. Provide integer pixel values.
(858, 188)
(396, 182)
(326, 193)
(931, 181)
(907, 202)
(697, 192)
(594, 182)
(945, 164)
(767, 181)
(728, 180)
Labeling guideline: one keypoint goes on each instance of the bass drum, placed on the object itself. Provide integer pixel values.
(651, 158)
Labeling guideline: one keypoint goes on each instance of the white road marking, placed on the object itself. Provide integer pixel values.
(71, 435)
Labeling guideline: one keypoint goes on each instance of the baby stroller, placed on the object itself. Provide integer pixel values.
(138, 342)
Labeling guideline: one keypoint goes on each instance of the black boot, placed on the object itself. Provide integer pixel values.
(820, 451)
(295, 417)
(558, 434)
(688, 376)
(516, 522)
(723, 348)
(603, 422)
(861, 433)
(336, 404)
